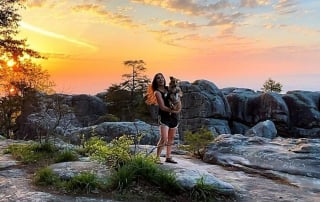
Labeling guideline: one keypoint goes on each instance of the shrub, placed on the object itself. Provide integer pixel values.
(30, 153)
(44, 147)
(196, 142)
(142, 168)
(113, 154)
(83, 183)
(45, 177)
(66, 156)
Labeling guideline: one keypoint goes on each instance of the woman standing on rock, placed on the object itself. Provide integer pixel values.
(168, 118)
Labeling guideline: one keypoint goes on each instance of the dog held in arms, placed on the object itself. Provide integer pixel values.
(174, 93)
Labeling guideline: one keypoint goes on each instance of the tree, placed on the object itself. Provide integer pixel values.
(126, 99)
(19, 73)
(271, 86)
(136, 80)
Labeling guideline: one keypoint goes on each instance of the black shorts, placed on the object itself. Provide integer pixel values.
(170, 120)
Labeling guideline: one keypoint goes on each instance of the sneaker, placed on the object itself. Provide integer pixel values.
(170, 160)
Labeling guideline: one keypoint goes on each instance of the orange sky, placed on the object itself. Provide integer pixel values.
(235, 43)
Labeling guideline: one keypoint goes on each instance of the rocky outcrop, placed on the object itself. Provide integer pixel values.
(58, 113)
(249, 108)
(146, 133)
(251, 185)
(304, 107)
(261, 155)
(203, 105)
(226, 111)
(236, 110)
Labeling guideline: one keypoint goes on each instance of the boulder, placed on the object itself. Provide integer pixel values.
(203, 105)
(304, 107)
(265, 129)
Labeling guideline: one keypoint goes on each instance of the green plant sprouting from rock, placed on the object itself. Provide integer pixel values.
(197, 141)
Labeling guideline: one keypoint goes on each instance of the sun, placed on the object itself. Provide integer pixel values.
(10, 63)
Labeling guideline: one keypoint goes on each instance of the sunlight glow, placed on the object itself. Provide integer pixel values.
(55, 35)
(10, 63)
(12, 90)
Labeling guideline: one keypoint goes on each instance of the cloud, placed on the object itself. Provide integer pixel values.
(286, 7)
(44, 3)
(107, 16)
(189, 7)
(179, 24)
(35, 3)
(55, 35)
(253, 3)
(56, 55)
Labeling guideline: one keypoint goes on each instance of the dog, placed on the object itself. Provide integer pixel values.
(174, 93)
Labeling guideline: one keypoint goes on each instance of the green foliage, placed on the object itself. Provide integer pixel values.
(123, 177)
(271, 86)
(46, 147)
(167, 181)
(202, 191)
(143, 168)
(196, 142)
(45, 177)
(114, 153)
(30, 153)
(66, 156)
(83, 183)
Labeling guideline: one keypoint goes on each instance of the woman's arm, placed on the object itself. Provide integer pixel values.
(161, 102)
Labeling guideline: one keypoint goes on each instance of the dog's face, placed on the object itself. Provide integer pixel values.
(173, 86)
(173, 83)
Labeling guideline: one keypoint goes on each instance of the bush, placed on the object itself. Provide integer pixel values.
(44, 147)
(66, 156)
(142, 168)
(83, 183)
(196, 142)
(113, 154)
(45, 177)
(30, 153)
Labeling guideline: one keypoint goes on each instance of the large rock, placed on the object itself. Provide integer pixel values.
(304, 107)
(146, 133)
(203, 105)
(265, 129)
(58, 113)
(249, 108)
(260, 155)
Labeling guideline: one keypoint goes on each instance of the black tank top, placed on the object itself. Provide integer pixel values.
(166, 118)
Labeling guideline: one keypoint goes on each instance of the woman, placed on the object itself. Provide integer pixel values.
(168, 118)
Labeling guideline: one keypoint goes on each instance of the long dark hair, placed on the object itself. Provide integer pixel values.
(151, 98)
(155, 83)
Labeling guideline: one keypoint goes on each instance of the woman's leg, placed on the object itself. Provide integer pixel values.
(163, 139)
(171, 134)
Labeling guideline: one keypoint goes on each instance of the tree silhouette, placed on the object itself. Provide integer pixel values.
(136, 80)
(18, 72)
(271, 86)
(125, 100)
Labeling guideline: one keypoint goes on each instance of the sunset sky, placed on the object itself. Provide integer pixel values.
(232, 43)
